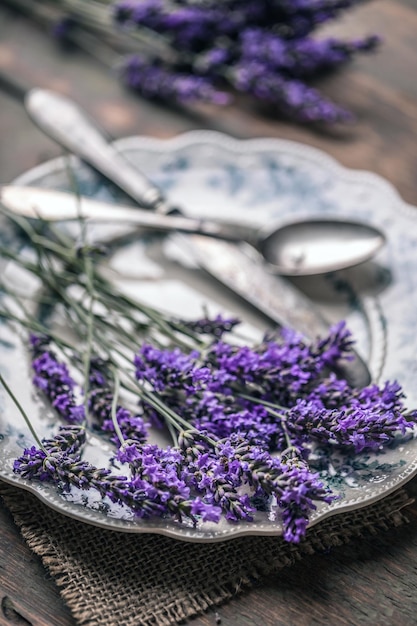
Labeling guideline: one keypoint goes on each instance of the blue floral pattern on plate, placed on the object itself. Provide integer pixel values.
(255, 181)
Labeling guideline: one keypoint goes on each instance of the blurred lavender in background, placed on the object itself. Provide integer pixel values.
(182, 51)
(263, 48)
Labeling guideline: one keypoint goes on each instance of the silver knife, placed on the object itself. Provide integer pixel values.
(236, 267)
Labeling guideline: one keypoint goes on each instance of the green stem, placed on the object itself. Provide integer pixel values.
(31, 324)
(261, 401)
(114, 407)
(173, 433)
(105, 291)
(87, 357)
(23, 413)
(40, 242)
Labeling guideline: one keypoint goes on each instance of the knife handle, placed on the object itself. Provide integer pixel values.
(62, 120)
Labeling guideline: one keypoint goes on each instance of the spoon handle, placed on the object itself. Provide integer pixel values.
(62, 120)
(58, 206)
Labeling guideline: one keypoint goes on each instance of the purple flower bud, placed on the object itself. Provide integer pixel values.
(152, 80)
(54, 380)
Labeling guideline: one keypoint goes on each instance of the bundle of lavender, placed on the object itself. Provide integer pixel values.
(201, 50)
(261, 48)
(246, 421)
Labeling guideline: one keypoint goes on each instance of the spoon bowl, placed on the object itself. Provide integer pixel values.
(300, 248)
(318, 246)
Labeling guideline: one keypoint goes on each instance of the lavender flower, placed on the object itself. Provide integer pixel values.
(298, 18)
(69, 441)
(335, 347)
(153, 491)
(299, 57)
(157, 474)
(331, 392)
(188, 27)
(216, 479)
(170, 369)
(260, 47)
(294, 486)
(154, 80)
(100, 402)
(275, 394)
(216, 326)
(280, 368)
(63, 28)
(292, 97)
(191, 25)
(53, 379)
(356, 427)
(222, 416)
(64, 470)
(235, 463)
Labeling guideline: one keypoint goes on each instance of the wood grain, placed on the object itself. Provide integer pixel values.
(373, 581)
(28, 596)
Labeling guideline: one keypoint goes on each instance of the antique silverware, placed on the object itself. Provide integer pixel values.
(298, 248)
(232, 265)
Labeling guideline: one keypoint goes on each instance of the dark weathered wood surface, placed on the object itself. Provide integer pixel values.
(375, 581)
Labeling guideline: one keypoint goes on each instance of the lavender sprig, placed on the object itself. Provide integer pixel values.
(236, 463)
(187, 51)
(275, 394)
(291, 96)
(154, 490)
(53, 379)
(100, 403)
(300, 57)
(263, 49)
(67, 443)
(191, 26)
(215, 327)
(152, 79)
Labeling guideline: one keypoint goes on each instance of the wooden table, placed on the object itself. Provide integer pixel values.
(375, 581)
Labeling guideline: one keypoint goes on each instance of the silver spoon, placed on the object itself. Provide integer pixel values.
(313, 246)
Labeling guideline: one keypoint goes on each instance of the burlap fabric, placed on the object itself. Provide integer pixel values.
(109, 578)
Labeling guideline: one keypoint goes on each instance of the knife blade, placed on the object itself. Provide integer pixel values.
(279, 300)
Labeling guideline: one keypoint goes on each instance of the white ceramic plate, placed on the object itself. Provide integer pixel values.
(255, 181)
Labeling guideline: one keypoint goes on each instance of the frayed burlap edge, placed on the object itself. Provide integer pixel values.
(109, 578)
